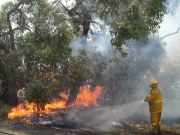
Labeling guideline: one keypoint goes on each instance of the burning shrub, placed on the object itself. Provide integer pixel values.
(85, 98)
(36, 92)
(41, 90)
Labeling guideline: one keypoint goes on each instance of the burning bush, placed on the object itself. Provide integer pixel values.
(42, 89)
(85, 98)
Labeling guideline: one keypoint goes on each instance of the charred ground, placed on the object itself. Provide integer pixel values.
(127, 127)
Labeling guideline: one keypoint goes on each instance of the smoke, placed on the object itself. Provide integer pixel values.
(97, 43)
(127, 79)
(170, 67)
(172, 6)
(104, 118)
(130, 75)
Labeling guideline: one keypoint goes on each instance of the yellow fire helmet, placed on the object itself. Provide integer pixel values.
(153, 81)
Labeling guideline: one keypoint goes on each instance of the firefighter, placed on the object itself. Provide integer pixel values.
(155, 100)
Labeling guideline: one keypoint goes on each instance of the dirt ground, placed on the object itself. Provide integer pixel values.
(128, 127)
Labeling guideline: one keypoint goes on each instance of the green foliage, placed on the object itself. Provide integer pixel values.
(36, 92)
(138, 22)
(4, 109)
(43, 87)
(2, 19)
(42, 60)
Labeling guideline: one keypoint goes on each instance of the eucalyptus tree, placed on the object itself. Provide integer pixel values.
(35, 40)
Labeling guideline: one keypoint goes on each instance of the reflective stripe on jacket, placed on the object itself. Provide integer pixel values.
(155, 100)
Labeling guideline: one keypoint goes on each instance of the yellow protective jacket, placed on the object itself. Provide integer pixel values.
(155, 100)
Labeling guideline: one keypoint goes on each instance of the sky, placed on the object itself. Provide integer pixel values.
(169, 25)
(3, 1)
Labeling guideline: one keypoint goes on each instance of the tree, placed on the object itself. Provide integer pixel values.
(35, 40)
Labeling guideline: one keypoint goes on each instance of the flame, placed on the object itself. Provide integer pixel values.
(55, 105)
(58, 104)
(85, 98)
(26, 109)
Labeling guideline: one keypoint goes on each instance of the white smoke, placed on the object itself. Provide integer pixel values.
(158, 58)
(170, 81)
(103, 118)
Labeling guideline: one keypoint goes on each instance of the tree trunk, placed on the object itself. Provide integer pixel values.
(9, 93)
(73, 93)
(12, 98)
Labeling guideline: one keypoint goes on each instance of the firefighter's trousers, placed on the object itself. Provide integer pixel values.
(156, 123)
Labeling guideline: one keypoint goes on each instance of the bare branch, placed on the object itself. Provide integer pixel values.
(72, 11)
(170, 34)
(59, 2)
(91, 21)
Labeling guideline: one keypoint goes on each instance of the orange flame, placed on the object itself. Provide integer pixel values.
(58, 104)
(55, 105)
(85, 98)
(25, 109)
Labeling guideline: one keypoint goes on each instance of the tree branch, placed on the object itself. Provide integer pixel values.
(15, 29)
(170, 34)
(71, 11)
(57, 1)
(11, 31)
